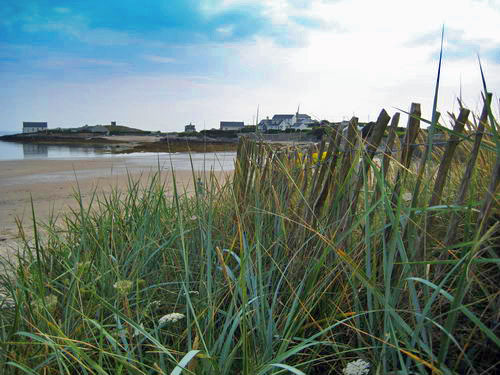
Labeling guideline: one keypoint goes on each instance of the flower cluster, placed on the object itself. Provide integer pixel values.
(170, 318)
(358, 367)
(315, 157)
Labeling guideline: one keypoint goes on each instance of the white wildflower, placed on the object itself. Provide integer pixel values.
(358, 367)
(170, 318)
(155, 304)
(193, 218)
(407, 197)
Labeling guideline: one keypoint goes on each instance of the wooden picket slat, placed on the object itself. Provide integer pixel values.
(390, 143)
(408, 147)
(442, 174)
(464, 184)
(371, 147)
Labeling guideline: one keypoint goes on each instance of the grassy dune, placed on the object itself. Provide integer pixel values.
(253, 276)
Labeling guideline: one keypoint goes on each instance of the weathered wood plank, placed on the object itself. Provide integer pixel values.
(489, 198)
(412, 129)
(348, 153)
(449, 152)
(371, 147)
(464, 185)
(390, 143)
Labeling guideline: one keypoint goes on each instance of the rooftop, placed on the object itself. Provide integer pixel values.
(34, 124)
(232, 123)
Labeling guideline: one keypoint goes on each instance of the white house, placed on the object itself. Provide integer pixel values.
(34, 127)
(265, 124)
(282, 122)
(298, 121)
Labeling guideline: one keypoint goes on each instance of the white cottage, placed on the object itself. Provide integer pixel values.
(34, 127)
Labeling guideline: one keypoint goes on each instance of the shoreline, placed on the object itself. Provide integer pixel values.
(52, 184)
(126, 144)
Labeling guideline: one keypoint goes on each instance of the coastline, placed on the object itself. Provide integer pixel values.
(126, 144)
(52, 185)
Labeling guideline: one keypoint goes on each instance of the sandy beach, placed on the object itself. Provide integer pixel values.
(52, 185)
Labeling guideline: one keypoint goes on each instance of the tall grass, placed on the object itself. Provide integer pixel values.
(269, 278)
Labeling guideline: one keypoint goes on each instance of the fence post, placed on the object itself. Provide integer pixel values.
(412, 129)
(349, 144)
(444, 167)
(390, 143)
(371, 147)
(464, 185)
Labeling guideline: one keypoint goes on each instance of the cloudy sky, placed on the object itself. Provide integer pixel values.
(160, 64)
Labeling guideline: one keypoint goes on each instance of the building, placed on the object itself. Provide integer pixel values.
(300, 117)
(278, 122)
(232, 125)
(265, 124)
(282, 122)
(34, 127)
(301, 121)
(189, 128)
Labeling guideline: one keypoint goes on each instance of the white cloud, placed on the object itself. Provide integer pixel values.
(381, 59)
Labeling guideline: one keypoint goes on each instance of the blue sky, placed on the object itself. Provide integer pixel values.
(164, 63)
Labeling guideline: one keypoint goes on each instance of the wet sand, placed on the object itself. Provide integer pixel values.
(52, 185)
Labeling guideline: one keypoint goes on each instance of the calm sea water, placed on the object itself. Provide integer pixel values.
(20, 151)
(179, 161)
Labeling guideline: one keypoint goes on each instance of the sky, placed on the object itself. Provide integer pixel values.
(161, 64)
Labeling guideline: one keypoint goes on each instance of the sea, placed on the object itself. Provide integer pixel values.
(178, 161)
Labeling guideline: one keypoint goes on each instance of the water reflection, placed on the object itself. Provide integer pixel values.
(37, 151)
(31, 151)
(19, 151)
(136, 161)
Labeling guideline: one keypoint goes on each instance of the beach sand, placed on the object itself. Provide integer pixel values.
(52, 185)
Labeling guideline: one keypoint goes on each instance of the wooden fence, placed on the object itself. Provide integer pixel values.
(321, 193)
